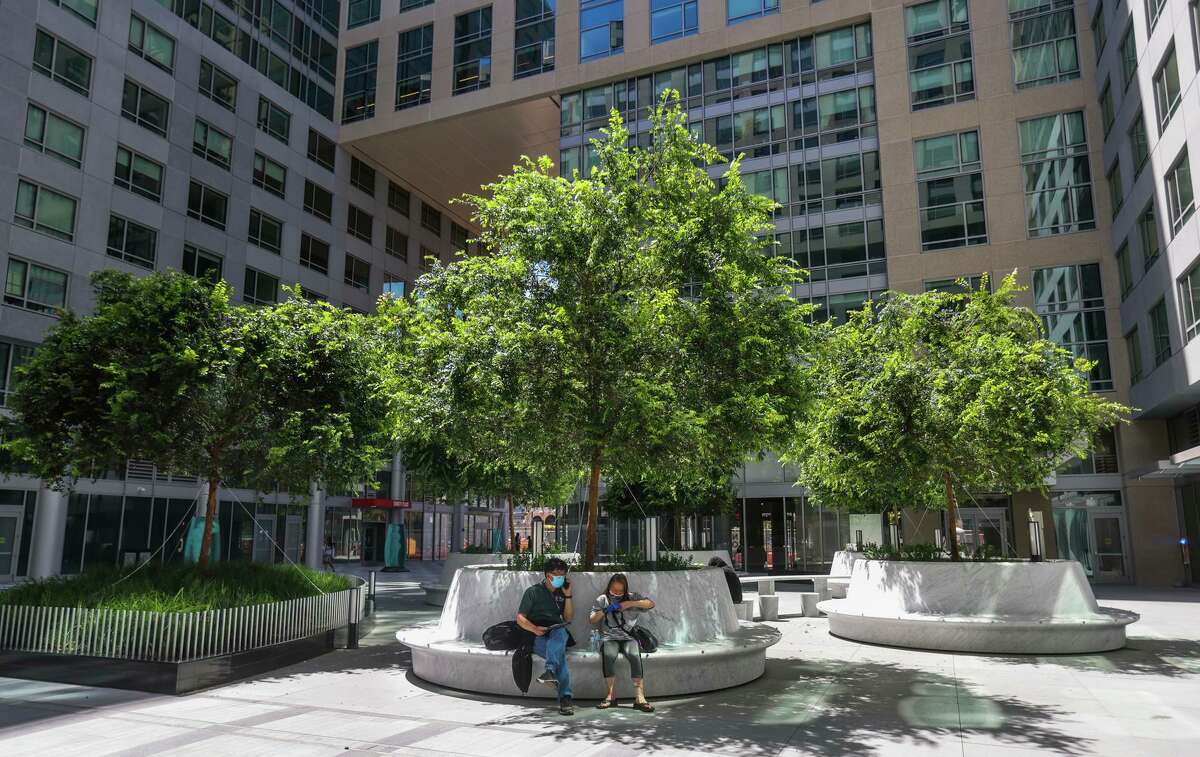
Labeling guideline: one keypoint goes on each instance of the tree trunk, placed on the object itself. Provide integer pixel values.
(210, 514)
(514, 546)
(593, 512)
(952, 518)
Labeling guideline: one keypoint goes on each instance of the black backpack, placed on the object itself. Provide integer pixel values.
(502, 637)
(647, 642)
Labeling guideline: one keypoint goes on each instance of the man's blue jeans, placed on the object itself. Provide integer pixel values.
(553, 649)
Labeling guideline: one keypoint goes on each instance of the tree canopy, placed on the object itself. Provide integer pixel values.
(918, 396)
(167, 370)
(625, 321)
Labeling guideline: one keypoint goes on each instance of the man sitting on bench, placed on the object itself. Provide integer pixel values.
(545, 611)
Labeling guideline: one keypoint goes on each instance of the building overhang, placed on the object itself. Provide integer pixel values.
(1179, 465)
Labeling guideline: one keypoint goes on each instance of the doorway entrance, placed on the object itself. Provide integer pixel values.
(1090, 527)
(264, 532)
(11, 518)
(291, 538)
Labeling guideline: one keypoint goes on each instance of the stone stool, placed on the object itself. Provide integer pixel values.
(768, 606)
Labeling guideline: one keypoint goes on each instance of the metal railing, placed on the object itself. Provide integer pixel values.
(177, 637)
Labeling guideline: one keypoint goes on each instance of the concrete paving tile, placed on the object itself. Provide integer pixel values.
(335, 724)
(92, 738)
(208, 710)
(245, 745)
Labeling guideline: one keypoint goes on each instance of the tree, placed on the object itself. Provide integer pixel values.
(624, 321)
(918, 397)
(166, 370)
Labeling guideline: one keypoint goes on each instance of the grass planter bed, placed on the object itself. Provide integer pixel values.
(175, 629)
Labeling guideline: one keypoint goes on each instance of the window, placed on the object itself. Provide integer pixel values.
(33, 287)
(1154, 10)
(396, 244)
(399, 198)
(321, 149)
(428, 258)
(269, 175)
(361, 12)
(1043, 41)
(207, 204)
(274, 120)
(64, 64)
(85, 9)
(1147, 224)
(145, 108)
(1058, 180)
(1180, 197)
(314, 253)
(265, 232)
(1099, 30)
(48, 132)
(459, 236)
(940, 66)
(44, 210)
(431, 218)
(950, 191)
(1189, 296)
(1138, 144)
(1107, 113)
(1160, 333)
(393, 285)
(359, 223)
(1133, 346)
(201, 263)
(602, 28)
(407, 5)
(1124, 270)
(12, 357)
(151, 43)
(358, 273)
(138, 174)
(362, 176)
(672, 19)
(414, 67)
(217, 85)
(473, 50)
(1101, 457)
(533, 41)
(318, 200)
(1129, 57)
(212, 144)
(1116, 192)
(1071, 304)
(740, 10)
(358, 84)
(131, 242)
(1166, 89)
(260, 288)
(961, 285)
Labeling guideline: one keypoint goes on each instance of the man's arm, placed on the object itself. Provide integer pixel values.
(530, 626)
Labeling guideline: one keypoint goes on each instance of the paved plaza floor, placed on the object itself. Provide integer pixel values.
(820, 696)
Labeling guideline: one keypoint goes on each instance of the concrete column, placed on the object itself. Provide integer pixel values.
(49, 529)
(314, 540)
(652, 539)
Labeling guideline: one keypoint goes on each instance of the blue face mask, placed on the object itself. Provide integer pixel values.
(558, 581)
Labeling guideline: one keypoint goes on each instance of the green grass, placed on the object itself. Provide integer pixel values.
(176, 588)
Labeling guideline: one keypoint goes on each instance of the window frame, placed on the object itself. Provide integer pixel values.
(307, 243)
(354, 219)
(315, 147)
(140, 51)
(198, 254)
(122, 252)
(52, 71)
(1078, 309)
(312, 192)
(33, 222)
(254, 231)
(138, 116)
(129, 183)
(968, 170)
(1178, 211)
(204, 149)
(1045, 10)
(1163, 109)
(428, 215)
(199, 214)
(261, 178)
(469, 43)
(22, 300)
(1160, 332)
(41, 146)
(421, 60)
(680, 6)
(255, 274)
(209, 90)
(267, 109)
(615, 28)
(350, 271)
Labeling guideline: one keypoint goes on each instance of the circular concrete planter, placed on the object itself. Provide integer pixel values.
(703, 646)
(984, 607)
(435, 593)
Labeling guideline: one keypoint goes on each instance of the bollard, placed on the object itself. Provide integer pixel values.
(370, 610)
(351, 618)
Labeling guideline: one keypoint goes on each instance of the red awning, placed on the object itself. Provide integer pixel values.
(386, 504)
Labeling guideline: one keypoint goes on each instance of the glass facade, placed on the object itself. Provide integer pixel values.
(672, 19)
(1058, 178)
(950, 191)
(473, 50)
(1071, 304)
(533, 38)
(358, 87)
(601, 28)
(742, 10)
(940, 65)
(1044, 47)
(414, 67)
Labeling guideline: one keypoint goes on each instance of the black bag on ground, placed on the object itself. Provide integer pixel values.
(502, 637)
(522, 668)
(647, 642)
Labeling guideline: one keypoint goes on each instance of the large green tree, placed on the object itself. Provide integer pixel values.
(632, 320)
(166, 370)
(918, 397)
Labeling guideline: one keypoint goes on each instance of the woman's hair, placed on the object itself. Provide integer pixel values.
(617, 577)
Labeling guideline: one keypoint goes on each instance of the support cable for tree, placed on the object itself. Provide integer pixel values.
(165, 541)
(275, 543)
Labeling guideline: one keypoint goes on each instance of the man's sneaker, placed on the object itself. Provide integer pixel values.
(548, 678)
(566, 706)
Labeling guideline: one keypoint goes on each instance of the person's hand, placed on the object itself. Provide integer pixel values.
(539, 630)
(627, 604)
(615, 607)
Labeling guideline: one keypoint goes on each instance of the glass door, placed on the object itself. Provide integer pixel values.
(10, 541)
(264, 550)
(1109, 533)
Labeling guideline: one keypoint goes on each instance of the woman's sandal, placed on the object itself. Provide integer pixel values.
(604, 705)
(643, 706)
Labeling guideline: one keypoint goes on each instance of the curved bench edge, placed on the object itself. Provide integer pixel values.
(1112, 617)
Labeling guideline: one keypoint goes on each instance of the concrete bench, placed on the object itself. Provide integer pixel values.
(765, 585)
(731, 660)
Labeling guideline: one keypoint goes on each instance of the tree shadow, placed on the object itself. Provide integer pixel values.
(1169, 658)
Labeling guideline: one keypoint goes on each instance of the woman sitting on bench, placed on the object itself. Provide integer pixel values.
(617, 611)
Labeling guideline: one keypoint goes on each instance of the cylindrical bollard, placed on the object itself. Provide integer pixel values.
(768, 606)
(352, 619)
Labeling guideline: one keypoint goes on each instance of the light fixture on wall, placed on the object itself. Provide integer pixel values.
(1035, 538)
